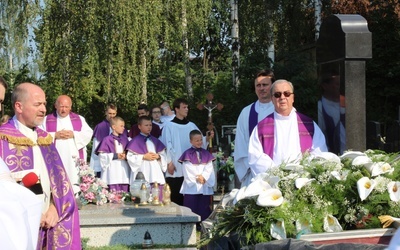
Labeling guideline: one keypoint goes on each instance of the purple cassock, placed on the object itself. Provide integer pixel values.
(101, 130)
(191, 156)
(16, 151)
(138, 144)
(199, 203)
(107, 144)
(51, 126)
(155, 130)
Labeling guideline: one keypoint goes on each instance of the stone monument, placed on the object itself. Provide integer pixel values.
(344, 45)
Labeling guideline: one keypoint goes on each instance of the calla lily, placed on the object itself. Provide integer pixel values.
(378, 168)
(301, 182)
(351, 155)
(239, 195)
(331, 224)
(328, 156)
(229, 197)
(365, 187)
(277, 229)
(303, 227)
(361, 160)
(259, 176)
(394, 190)
(256, 187)
(273, 181)
(293, 167)
(341, 176)
(270, 198)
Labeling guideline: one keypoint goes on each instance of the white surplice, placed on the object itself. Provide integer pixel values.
(20, 213)
(153, 171)
(69, 148)
(241, 160)
(286, 144)
(176, 139)
(190, 185)
(115, 171)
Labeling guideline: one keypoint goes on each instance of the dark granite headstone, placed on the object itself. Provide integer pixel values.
(374, 135)
(343, 46)
(393, 137)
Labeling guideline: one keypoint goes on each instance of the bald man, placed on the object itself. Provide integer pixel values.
(71, 134)
(26, 148)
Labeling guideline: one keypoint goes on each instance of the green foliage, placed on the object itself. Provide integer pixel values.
(315, 193)
(127, 52)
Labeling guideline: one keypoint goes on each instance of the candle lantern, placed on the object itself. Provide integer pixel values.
(147, 242)
(166, 194)
(136, 186)
(155, 191)
(144, 194)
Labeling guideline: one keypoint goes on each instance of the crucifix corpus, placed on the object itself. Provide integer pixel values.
(210, 106)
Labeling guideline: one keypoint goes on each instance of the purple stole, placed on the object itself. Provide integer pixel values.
(191, 156)
(138, 144)
(107, 144)
(266, 133)
(16, 151)
(51, 126)
(253, 118)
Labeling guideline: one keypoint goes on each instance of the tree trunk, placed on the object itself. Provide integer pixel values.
(186, 55)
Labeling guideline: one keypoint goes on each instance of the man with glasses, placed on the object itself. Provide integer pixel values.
(248, 119)
(284, 135)
(166, 111)
(156, 116)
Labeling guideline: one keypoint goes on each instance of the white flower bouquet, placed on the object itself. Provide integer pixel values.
(323, 193)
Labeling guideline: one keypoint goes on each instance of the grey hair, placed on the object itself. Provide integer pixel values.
(280, 81)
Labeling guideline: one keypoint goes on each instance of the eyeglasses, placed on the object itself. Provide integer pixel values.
(279, 94)
(165, 107)
(156, 112)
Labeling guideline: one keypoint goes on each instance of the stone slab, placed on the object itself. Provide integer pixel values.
(112, 224)
(360, 236)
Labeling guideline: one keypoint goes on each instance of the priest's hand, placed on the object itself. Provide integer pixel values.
(50, 218)
(171, 168)
(64, 134)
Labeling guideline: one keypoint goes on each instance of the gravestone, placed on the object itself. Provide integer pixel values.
(393, 137)
(374, 135)
(344, 45)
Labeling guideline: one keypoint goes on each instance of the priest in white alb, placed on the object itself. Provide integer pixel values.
(248, 119)
(71, 134)
(284, 135)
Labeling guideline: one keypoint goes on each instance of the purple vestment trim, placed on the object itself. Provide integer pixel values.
(191, 156)
(253, 118)
(51, 126)
(17, 152)
(266, 133)
(138, 144)
(107, 144)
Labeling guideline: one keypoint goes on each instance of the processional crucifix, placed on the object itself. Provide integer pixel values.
(210, 106)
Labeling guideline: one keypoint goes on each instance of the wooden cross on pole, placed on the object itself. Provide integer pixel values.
(210, 106)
